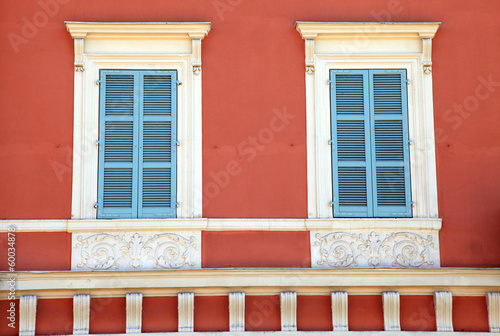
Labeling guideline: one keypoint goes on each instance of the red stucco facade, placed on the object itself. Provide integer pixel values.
(253, 65)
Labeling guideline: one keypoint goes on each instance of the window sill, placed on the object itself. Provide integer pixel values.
(222, 224)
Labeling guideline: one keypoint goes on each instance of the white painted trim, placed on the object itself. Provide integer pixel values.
(81, 314)
(134, 313)
(82, 29)
(27, 315)
(311, 30)
(186, 312)
(339, 311)
(237, 311)
(391, 311)
(166, 54)
(216, 224)
(494, 311)
(288, 309)
(460, 282)
(351, 45)
(443, 302)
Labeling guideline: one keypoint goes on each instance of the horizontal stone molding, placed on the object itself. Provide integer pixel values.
(220, 224)
(192, 29)
(310, 30)
(458, 281)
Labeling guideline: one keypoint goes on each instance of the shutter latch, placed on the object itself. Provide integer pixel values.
(410, 142)
(97, 143)
(177, 143)
(96, 205)
(177, 205)
(97, 82)
(179, 83)
(328, 82)
(412, 204)
(407, 82)
(330, 142)
(331, 204)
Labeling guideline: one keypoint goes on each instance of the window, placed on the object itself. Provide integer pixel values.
(137, 144)
(146, 52)
(370, 147)
(400, 173)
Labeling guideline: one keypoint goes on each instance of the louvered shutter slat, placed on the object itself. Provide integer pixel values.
(390, 153)
(350, 148)
(158, 136)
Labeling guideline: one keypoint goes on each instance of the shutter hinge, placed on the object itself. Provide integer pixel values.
(96, 205)
(329, 81)
(331, 204)
(412, 204)
(97, 143)
(97, 82)
(179, 83)
(330, 142)
(177, 143)
(177, 205)
(410, 142)
(408, 82)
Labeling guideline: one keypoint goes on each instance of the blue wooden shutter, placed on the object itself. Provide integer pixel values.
(137, 152)
(157, 143)
(390, 145)
(351, 155)
(118, 152)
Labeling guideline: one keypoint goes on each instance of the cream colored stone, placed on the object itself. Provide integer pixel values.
(186, 312)
(288, 305)
(339, 311)
(236, 311)
(81, 314)
(391, 311)
(134, 313)
(27, 315)
(443, 302)
(494, 311)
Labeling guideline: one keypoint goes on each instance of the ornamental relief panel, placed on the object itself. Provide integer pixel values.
(127, 251)
(374, 249)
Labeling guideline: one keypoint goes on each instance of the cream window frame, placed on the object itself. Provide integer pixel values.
(146, 46)
(350, 45)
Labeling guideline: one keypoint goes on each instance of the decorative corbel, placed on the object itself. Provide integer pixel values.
(237, 311)
(427, 55)
(81, 314)
(196, 51)
(185, 312)
(27, 315)
(391, 311)
(339, 311)
(79, 44)
(309, 56)
(443, 302)
(288, 303)
(134, 313)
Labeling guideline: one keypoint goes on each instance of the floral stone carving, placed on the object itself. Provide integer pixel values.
(136, 251)
(374, 249)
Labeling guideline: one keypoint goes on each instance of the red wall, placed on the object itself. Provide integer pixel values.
(255, 249)
(253, 66)
(159, 314)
